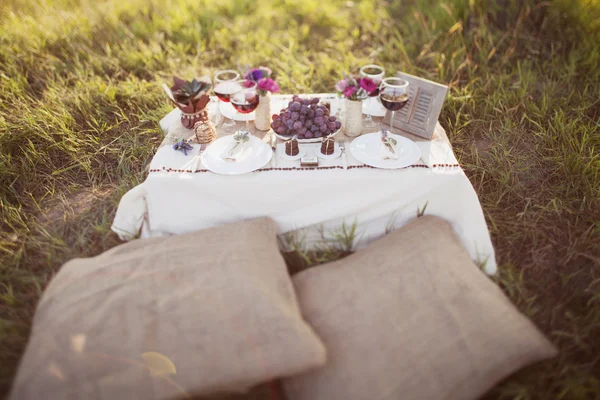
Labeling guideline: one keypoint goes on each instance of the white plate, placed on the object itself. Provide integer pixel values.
(367, 149)
(229, 112)
(298, 156)
(313, 140)
(336, 153)
(255, 156)
(373, 107)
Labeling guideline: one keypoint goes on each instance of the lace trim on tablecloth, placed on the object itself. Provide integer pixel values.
(165, 169)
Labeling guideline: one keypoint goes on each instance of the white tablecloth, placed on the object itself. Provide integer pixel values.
(310, 202)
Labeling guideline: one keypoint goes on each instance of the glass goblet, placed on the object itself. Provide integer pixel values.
(246, 100)
(226, 84)
(376, 73)
(393, 93)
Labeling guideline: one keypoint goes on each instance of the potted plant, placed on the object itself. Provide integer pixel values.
(191, 98)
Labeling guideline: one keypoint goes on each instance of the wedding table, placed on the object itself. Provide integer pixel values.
(310, 205)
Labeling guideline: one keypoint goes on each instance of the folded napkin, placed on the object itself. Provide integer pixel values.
(241, 140)
(388, 149)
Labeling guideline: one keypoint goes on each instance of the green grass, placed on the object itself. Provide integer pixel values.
(80, 100)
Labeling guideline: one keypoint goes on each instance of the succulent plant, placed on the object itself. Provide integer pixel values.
(189, 93)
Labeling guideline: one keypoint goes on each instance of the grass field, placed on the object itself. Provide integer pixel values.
(80, 101)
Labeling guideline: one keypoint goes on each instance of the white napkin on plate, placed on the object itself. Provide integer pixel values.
(238, 148)
(238, 152)
(386, 152)
(388, 147)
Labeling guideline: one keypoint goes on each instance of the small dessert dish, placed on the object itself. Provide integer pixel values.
(292, 150)
(291, 147)
(328, 145)
(328, 148)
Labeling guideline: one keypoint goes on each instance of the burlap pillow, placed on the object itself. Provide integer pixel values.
(162, 318)
(411, 317)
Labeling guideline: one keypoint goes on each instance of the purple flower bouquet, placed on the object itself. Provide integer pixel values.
(262, 77)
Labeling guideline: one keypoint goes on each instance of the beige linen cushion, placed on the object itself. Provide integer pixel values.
(411, 317)
(209, 311)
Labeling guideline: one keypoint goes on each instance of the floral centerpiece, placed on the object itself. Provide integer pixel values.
(265, 85)
(262, 77)
(354, 90)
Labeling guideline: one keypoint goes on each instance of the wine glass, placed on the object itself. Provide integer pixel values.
(376, 73)
(246, 99)
(393, 94)
(226, 84)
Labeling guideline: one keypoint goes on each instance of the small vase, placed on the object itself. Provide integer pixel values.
(262, 115)
(353, 123)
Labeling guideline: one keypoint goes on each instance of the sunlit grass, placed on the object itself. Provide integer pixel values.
(80, 100)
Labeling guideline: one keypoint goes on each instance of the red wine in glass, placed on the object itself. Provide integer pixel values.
(376, 73)
(225, 90)
(393, 94)
(247, 106)
(393, 102)
(225, 86)
(245, 101)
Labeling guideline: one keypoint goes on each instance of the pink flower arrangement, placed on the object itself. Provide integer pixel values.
(349, 91)
(368, 84)
(267, 85)
(262, 77)
(355, 88)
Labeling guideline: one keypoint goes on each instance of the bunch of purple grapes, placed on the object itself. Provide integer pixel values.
(305, 118)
